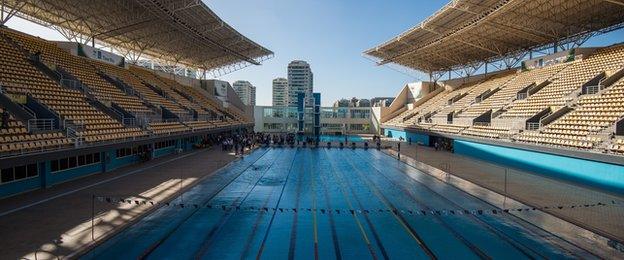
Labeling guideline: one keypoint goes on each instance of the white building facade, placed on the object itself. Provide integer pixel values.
(280, 92)
(246, 91)
(300, 79)
(334, 120)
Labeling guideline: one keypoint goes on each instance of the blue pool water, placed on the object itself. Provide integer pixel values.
(305, 179)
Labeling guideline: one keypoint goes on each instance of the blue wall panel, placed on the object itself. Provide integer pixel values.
(116, 163)
(12, 188)
(66, 175)
(164, 151)
(601, 175)
(422, 139)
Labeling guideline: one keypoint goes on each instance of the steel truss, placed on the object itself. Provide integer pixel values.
(182, 32)
(468, 32)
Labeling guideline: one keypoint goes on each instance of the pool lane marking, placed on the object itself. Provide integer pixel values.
(332, 223)
(224, 218)
(153, 246)
(314, 220)
(457, 235)
(96, 184)
(516, 244)
(293, 228)
(366, 217)
(355, 217)
(411, 231)
(266, 234)
(266, 202)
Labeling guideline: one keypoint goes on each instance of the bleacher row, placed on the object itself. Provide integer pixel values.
(26, 65)
(588, 120)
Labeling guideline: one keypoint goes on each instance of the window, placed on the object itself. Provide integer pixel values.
(164, 144)
(72, 162)
(81, 160)
(18, 173)
(31, 170)
(89, 158)
(55, 165)
(7, 175)
(64, 164)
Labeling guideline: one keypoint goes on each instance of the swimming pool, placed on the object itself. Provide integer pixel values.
(361, 199)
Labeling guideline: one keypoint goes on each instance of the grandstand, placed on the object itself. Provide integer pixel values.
(571, 100)
(62, 99)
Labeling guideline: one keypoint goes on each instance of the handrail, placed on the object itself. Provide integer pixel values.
(44, 124)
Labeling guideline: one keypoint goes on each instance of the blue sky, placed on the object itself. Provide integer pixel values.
(330, 34)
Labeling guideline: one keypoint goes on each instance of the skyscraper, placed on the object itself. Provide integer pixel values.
(300, 79)
(280, 92)
(245, 91)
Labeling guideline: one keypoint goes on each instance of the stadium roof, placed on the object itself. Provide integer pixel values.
(466, 32)
(184, 31)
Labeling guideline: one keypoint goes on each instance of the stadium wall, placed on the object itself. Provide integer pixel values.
(418, 138)
(108, 162)
(601, 175)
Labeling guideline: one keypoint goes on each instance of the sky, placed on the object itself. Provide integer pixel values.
(331, 35)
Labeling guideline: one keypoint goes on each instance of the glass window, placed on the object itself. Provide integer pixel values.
(89, 158)
(63, 164)
(7, 175)
(72, 162)
(96, 157)
(81, 160)
(31, 170)
(55, 165)
(20, 172)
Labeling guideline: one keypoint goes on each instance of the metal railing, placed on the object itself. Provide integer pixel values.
(533, 125)
(521, 96)
(482, 123)
(594, 89)
(45, 124)
(129, 121)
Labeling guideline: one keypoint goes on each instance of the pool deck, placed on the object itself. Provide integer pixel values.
(34, 220)
(529, 188)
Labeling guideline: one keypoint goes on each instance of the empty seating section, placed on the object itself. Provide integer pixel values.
(470, 94)
(154, 80)
(593, 114)
(487, 131)
(137, 85)
(587, 126)
(409, 117)
(509, 91)
(79, 68)
(16, 138)
(200, 125)
(195, 103)
(568, 81)
(617, 146)
(447, 128)
(166, 128)
(21, 77)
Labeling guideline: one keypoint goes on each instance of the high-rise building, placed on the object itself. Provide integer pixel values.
(246, 92)
(280, 92)
(300, 80)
